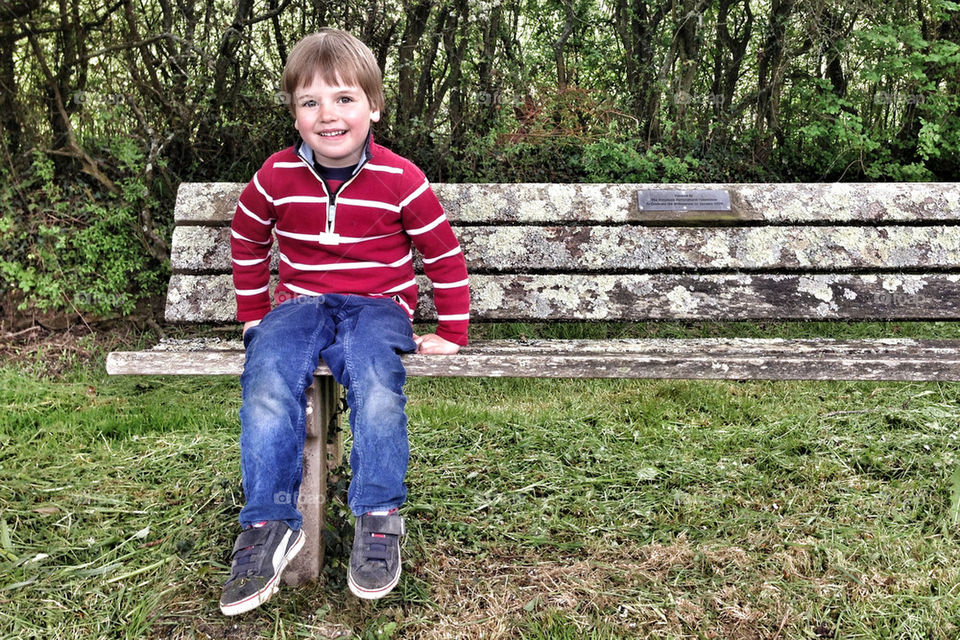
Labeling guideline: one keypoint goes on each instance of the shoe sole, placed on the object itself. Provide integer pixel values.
(371, 594)
(255, 600)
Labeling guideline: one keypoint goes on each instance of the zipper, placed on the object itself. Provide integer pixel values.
(328, 236)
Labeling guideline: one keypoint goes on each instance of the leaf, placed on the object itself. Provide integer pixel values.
(5, 542)
(647, 473)
(955, 498)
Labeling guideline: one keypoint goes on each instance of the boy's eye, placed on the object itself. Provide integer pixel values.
(308, 104)
(344, 99)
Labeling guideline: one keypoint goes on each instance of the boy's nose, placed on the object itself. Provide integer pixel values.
(326, 112)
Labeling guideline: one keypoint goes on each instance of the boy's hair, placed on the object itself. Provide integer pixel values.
(337, 57)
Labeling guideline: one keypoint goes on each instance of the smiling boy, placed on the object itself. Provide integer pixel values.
(346, 213)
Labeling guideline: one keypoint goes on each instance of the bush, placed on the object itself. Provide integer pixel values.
(69, 246)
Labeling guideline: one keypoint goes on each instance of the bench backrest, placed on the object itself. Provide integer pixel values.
(566, 252)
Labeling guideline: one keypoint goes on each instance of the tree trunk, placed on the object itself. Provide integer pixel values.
(770, 71)
(417, 15)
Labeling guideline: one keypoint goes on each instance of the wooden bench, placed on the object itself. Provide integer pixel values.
(603, 252)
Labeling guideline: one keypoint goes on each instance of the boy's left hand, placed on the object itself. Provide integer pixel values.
(435, 345)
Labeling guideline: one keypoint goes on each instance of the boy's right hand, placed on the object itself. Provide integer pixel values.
(249, 324)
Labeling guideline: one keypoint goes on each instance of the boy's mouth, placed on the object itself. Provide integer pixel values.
(332, 134)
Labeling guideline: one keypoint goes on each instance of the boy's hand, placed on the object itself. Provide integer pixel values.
(249, 324)
(435, 345)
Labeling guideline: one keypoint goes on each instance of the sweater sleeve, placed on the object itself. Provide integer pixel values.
(250, 240)
(426, 223)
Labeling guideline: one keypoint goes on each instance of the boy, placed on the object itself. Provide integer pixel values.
(345, 212)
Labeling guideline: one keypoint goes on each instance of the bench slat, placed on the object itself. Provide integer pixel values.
(574, 297)
(761, 359)
(800, 203)
(630, 248)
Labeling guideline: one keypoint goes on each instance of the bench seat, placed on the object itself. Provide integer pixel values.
(692, 358)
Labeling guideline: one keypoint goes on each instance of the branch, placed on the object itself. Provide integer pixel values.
(152, 242)
(21, 9)
(135, 45)
(30, 30)
(266, 16)
(72, 149)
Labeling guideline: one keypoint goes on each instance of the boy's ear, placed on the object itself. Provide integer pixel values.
(375, 116)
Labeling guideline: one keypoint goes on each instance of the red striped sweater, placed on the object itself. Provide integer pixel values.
(356, 241)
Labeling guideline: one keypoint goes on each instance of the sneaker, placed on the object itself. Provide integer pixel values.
(259, 557)
(375, 559)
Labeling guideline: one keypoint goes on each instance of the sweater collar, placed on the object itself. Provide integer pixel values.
(306, 153)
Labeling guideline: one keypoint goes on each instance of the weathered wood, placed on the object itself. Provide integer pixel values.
(774, 203)
(205, 249)
(760, 359)
(313, 486)
(714, 297)
(630, 248)
(201, 299)
(574, 297)
(689, 249)
(799, 203)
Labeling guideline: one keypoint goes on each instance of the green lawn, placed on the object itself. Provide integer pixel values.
(538, 509)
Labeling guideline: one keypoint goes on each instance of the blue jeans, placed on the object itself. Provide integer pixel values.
(360, 339)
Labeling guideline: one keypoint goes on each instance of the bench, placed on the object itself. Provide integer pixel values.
(609, 252)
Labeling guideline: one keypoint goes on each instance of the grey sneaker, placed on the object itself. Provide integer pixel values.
(375, 559)
(260, 555)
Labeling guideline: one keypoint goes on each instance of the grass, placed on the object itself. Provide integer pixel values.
(538, 508)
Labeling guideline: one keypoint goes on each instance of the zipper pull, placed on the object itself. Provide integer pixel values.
(328, 237)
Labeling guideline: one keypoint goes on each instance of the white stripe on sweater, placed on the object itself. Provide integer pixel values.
(246, 239)
(401, 287)
(301, 290)
(253, 292)
(267, 222)
(315, 237)
(376, 204)
(448, 254)
(263, 192)
(451, 285)
(413, 196)
(384, 168)
(300, 200)
(251, 262)
(343, 266)
(432, 225)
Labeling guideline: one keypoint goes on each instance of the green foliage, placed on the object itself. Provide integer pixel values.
(76, 249)
(624, 162)
(900, 124)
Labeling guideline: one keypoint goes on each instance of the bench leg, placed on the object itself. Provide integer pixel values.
(322, 400)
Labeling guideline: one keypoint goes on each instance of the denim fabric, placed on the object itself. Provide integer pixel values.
(361, 340)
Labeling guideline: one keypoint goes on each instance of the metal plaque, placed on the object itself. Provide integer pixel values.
(683, 200)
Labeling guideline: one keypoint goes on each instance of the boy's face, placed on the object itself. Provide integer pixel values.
(334, 121)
